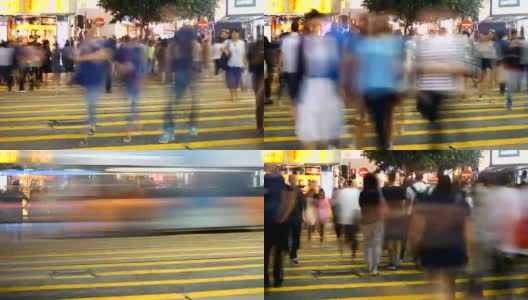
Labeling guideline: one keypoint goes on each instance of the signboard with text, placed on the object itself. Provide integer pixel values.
(509, 3)
(245, 3)
(509, 7)
(50, 6)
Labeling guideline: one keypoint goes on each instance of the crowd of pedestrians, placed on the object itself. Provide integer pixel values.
(371, 68)
(95, 62)
(444, 228)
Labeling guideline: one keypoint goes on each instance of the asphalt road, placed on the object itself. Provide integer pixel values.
(324, 272)
(193, 266)
(41, 119)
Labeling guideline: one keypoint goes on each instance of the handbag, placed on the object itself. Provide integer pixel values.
(224, 59)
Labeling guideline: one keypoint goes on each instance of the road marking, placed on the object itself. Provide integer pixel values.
(458, 295)
(119, 134)
(130, 264)
(113, 115)
(127, 283)
(124, 123)
(102, 252)
(191, 295)
(221, 254)
(193, 145)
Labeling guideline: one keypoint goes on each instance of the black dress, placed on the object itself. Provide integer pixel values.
(443, 245)
(46, 63)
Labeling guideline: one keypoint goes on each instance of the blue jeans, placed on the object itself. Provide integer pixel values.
(132, 88)
(182, 82)
(514, 79)
(92, 95)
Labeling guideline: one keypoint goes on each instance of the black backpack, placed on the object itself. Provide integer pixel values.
(420, 197)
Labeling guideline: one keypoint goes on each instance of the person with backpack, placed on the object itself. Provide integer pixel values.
(417, 192)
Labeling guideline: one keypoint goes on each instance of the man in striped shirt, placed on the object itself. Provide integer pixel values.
(440, 64)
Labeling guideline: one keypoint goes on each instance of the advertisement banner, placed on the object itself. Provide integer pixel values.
(10, 7)
(50, 6)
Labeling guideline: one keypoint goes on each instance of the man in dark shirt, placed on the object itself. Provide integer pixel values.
(256, 67)
(395, 225)
(296, 218)
(513, 66)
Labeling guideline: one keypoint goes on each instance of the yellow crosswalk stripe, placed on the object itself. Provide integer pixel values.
(191, 295)
(128, 283)
(135, 251)
(192, 145)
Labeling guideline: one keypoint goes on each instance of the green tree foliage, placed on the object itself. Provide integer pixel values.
(425, 161)
(148, 11)
(408, 10)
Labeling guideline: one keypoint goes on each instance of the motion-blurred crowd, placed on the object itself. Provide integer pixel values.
(93, 62)
(446, 229)
(371, 68)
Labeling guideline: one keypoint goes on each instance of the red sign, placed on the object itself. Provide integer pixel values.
(363, 171)
(466, 24)
(466, 173)
(99, 22)
(352, 171)
(202, 24)
(353, 22)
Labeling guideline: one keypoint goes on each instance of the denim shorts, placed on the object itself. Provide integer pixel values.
(233, 77)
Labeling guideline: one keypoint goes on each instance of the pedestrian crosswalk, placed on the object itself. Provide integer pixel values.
(328, 271)
(200, 266)
(466, 123)
(41, 119)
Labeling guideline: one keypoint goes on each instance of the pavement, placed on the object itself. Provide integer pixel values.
(324, 272)
(194, 266)
(41, 119)
(469, 123)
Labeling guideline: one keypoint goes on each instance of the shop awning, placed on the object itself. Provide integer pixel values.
(499, 23)
(240, 19)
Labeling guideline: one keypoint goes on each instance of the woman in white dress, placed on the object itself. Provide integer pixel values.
(320, 112)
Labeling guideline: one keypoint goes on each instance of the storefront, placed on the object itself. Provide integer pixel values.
(38, 20)
(283, 13)
(505, 16)
(312, 168)
(244, 15)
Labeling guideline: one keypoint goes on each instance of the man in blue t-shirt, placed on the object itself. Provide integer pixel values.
(93, 62)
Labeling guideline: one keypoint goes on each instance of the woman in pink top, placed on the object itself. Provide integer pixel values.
(323, 208)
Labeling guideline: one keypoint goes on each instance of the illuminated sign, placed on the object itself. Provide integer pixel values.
(302, 6)
(8, 156)
(273, 156)
(10, 6)
(313, 157)
(47, 6)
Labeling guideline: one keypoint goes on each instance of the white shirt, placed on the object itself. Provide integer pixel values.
(290, 53)
(348, 209)
(238, 52)
(420, 188)
(217, 50)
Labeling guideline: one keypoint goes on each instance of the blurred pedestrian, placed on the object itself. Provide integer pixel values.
(396, 222)
(288, 61)
(56, 66)
(488, 56)
(440, 67)
(46, 66)
(380, 58)
(269, 59)
(150, 57)
(180, 53)
(129, 65)
(348, 213)
(111, 45)
(236, 51)
(295, 219)
(217, 54)
(93, 58)
(320, 110)
(7, 64)
(323, 210)
(256, 68)
(310, 213)
(439, 235)
(513, 67)
(67, 55)
(278, 204)
(373, 211)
